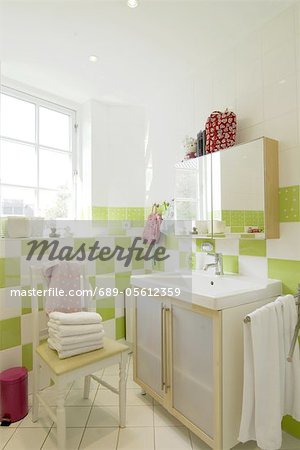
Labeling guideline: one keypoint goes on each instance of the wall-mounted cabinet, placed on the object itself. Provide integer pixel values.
(230, 192)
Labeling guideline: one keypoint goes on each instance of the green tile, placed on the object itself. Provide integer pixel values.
(159, 266)
(136, 265)
(231, 263)
(10, 333)
(252, 247)
(120, 327)
(199, 242)
(135, 214)
(171, 242)
(100, 213)
(237, 229)
(26, 301)
(123, 280)
(92, 281)
(123, 242)
(9, 272)
(248, 236)
(117, 213)
(287, 271)
(105, 266)
(27, 357)
(291, 426)
(251, 218)
(226, 217)
(237, 218)
(106, 308)
(289, 204)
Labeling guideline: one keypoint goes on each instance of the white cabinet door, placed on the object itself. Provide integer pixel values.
(193, 367)
(150, 344)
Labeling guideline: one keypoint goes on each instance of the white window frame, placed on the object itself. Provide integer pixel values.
(39, 102)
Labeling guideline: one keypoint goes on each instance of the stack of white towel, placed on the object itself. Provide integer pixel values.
(75, 333)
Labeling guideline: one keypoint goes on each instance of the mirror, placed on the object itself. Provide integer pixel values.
(230, 193)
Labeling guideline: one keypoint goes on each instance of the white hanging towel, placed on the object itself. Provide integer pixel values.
(291, 404)
(262, 402)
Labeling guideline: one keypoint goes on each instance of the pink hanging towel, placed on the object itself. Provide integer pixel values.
(64, 276)
(152, 228)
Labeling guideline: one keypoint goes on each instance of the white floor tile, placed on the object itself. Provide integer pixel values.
(105, 397)
(163, 419)
(76, 416)
(74, 436)
(113, 380)
(112, 370)
(106, 416)
(135, 398)
(139, 416)
(5, 434)
(43, 421)
(79, 384)
(136, 439)
(100, 438)
(172, 438)
(198, 444)
(25, 439)
(75, 398)
(131, 384)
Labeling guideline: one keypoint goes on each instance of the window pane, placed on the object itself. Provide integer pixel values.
(54, 129)
(55, 169)
(18, 164)
(17, 201)
(55, 204)
(17, 118)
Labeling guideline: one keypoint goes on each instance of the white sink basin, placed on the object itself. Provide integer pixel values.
(209, 290)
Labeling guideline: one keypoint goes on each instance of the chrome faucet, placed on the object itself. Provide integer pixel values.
(218, 264)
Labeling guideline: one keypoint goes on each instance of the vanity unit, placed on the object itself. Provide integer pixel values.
(188, 349)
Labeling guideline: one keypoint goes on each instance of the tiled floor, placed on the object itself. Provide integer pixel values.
(93, 423)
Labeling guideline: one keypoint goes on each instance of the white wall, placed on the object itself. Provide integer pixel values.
(114, 153)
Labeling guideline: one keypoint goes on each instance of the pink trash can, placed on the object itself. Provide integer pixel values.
(13, 394)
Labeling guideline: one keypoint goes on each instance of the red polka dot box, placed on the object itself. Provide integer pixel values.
(220, 131)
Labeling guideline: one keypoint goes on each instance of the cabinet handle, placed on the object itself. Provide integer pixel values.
(162, 337)
(167, 385)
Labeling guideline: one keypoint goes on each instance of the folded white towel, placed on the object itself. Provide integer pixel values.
(68, 347)
(77, 318)
(74, 330)
(78, 351)
(71, 340)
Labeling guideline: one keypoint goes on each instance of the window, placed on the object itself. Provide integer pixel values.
(37, 156)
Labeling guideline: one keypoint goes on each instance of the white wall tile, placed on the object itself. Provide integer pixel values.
(10, 248)
(279, 63)
(283, 128)
(249, 76)
(289, 163)
(110, 328)
(26, 328)
(288, 246)
(227, 246)
(250, 109)
(10, 357)
(277, 30)
(280, 97)
(10, 306)
(253, 266)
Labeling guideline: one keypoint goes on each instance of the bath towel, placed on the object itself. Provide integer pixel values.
(73, 340)
(262, 402)
(57, 345)
(292, 369)
(78, 351)
(73, 330)
(76, 318)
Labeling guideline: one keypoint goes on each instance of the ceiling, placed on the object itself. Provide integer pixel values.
(46, 44)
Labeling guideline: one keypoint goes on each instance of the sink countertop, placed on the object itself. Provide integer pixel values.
(211, 291)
